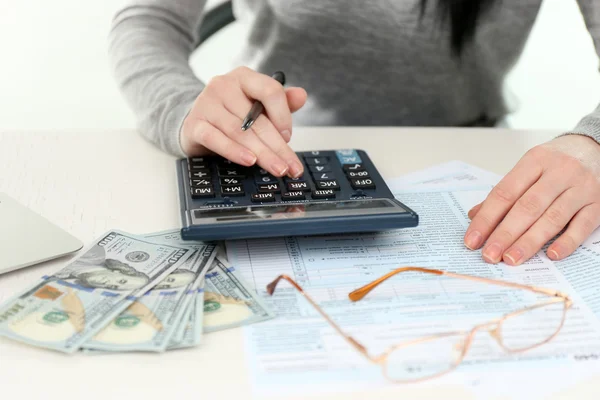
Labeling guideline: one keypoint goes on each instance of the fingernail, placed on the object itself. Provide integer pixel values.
(287, 135)
(248, 158)
(279, 168)
(473, 240)
(296, 169)
(553, 254)
(492, 253)
(514, 256)
(470, 213)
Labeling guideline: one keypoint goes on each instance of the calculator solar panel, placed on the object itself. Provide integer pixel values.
(340, 191)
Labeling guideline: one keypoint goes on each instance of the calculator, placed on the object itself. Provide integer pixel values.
(340, 191)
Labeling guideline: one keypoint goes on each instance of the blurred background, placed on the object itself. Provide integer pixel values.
(54, 72)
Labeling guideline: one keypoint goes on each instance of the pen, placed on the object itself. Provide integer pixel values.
(257, 107)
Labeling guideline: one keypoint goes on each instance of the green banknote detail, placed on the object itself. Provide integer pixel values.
(223, 301)
(151, 321)
(192, 328)
(228, 300)
(64, 310)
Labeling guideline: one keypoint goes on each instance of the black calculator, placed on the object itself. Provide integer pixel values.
(340, 191)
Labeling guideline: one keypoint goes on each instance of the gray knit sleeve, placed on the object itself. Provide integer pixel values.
(150, 43)
(590, 124)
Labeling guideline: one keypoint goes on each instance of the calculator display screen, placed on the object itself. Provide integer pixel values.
(301, 210)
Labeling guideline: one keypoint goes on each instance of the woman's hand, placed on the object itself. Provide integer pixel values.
(214, 123)
(555, 185)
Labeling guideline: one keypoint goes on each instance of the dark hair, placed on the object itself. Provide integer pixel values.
(463, 16)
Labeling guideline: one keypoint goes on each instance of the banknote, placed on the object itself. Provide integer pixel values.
(192, 326)
(228, 300)
(151, 321)
(183, 326)
(174, 237)
(224, 301)
(186, 333)
(64, 310)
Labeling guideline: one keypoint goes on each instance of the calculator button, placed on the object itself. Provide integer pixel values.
(268, 188)
(323, 176)
(328, 184)
(197, 159)
(294, 186)
(290, 196)
(301, 179)
(263, 197)
(225, 163)
(201, 182)
(265, 179)
(362, 183)
(231, 173)
(233, 191)
(349, 160)
(261, 171)
(319, 168)
(348, 156)
(197, 166)
(230, 181)
(316, 160)
(314, 153)
(353, 167)
(357, 174)
(346, 152)
(203, 173)
(202, 192)
(323, 194)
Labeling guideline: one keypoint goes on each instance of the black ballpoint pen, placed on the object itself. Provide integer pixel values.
(257, 107)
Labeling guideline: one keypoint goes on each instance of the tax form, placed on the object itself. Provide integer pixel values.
(299, 349)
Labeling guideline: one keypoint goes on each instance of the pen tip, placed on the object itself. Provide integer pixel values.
(247, 124)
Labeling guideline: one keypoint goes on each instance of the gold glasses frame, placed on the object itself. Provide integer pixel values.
(493, 326)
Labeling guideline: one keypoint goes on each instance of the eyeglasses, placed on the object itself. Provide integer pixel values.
(429, 357)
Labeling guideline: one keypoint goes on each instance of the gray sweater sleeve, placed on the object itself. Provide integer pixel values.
(150, 43)
(590, 124)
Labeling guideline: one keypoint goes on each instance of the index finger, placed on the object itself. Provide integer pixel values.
(500, 200)
(270, 93)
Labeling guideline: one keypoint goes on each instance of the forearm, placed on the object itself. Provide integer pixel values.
(590, 9)
(149, 47)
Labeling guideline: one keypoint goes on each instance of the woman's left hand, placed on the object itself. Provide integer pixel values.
(553, 185)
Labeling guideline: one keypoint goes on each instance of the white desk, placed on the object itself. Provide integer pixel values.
(91, 182)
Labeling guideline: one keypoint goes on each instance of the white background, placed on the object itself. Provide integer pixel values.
(54, 73)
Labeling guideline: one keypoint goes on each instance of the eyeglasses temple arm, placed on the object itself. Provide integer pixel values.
(535, 289)
(271, 289)
(361, 292)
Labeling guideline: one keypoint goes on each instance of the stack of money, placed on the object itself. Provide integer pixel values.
(126, 292)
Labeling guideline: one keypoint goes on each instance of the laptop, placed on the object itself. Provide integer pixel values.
(27, 238)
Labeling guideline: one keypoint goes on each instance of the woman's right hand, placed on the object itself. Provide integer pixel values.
(214, 123)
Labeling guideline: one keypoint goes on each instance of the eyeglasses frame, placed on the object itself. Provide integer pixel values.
(495, 324)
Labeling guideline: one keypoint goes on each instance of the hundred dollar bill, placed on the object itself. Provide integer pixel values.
(64, 310)
(151, 321)
(228, 301)
(225, 301)
(174, 236)
(192, 326)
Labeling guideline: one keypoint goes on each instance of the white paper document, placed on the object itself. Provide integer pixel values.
(299, 349)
